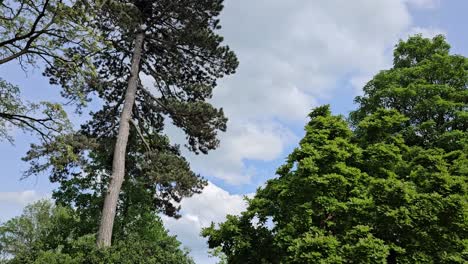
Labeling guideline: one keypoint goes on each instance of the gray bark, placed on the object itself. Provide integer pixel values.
(118, 163)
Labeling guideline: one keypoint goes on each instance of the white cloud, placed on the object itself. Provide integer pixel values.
(12, 203)
(244, 140)
(261, 140)
(292, 55)
(425, 32)
(423, 4)
(199, 211)
(21, 198)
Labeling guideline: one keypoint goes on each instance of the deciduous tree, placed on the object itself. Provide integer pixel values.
(34, 34)
(45, 233)
(391, 190)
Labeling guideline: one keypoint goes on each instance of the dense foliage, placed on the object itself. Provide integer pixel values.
(393, 189)
(48, 234)
(146, 189)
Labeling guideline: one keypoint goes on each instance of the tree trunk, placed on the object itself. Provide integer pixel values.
(118, 162)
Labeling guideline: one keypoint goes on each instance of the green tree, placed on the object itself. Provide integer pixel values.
(34, 34)
(176, 46)
(393, 189)
(41, 30)
(155, 182)
(40, 226)
(49, 234)
(14, 112)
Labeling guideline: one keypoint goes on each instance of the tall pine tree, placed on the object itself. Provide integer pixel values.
(176, 46)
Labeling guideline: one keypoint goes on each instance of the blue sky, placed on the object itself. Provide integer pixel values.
(294, 55)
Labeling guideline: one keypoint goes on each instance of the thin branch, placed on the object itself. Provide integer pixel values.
(137, 128)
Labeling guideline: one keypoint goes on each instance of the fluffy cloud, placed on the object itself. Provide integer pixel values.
(293, 54)
(20, 198)
(12, 203)
(426, 32)
(199, 211)
(244, 140)
(423, 4)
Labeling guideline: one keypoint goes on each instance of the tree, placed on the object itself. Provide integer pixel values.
(40, 226)
(33, 33)
(391, 190)
(426, 85)
(15, 112)
(49, 234)
(155, 181)
(175, 44)
(37, 29)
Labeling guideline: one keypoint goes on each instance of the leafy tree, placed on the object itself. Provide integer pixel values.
(429, 87)
(48, 234)
(42, 29)
(16, 113)
(40, 226)
(391, 190)
(176, 46)
(33, 33)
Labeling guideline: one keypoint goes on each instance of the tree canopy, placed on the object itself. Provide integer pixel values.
(389, 186)
(45, 233)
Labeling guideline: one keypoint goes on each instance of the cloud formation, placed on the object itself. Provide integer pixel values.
(21, 198)
(293, 55)
(12, 203)
(199, 211)
(423, 4)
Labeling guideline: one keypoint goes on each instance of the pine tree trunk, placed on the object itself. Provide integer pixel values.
(118, 163)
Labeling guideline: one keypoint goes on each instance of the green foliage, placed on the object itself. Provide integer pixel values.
(34, 34)
(391, 190)
(48, 234)
(45, 118)
(42, 30)
(218, 253)
(431, 92)
(40, 226)
(155, 181)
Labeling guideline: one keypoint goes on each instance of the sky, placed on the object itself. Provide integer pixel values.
(294, 55)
